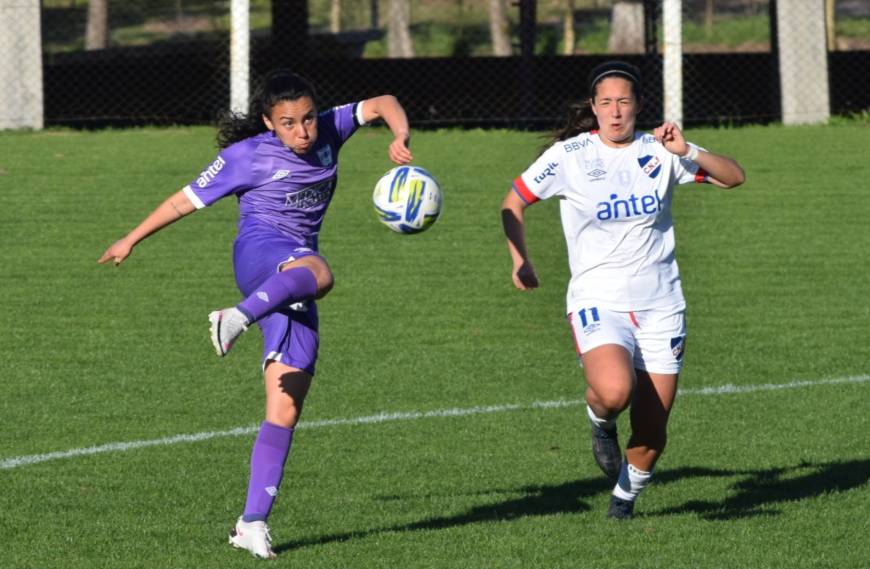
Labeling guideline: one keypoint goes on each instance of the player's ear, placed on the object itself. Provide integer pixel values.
(268, 123)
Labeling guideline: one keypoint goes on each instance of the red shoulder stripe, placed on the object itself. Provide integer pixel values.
(523, 191)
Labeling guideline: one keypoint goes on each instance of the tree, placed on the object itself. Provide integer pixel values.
(626, 28)
(499, 28)
(375, 14)
(830, 24)
(568, 29)
(335, 17)
(709, 12)
(399, 30)
(97, 31)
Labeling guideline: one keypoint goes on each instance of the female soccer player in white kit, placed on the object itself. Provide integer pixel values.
(625, 304)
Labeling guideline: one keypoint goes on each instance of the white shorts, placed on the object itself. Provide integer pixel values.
(655, 338)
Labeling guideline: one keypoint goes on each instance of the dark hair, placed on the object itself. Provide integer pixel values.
(580, 117)
(277, 86)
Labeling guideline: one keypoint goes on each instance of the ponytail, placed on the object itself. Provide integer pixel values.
(233, 127)
(579, 119)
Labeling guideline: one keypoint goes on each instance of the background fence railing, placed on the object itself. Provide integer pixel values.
(168, 61)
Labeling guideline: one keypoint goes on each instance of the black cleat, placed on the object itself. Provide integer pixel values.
(605, 449)
(620, 509)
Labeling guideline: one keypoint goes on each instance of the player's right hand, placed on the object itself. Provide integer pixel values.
(399, 150)
(117, 252)
(525, 277)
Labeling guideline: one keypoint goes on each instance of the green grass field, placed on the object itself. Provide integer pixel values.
(769, 456)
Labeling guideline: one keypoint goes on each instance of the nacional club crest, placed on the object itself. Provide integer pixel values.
(651, 165)
(678, 346)
(325, 156)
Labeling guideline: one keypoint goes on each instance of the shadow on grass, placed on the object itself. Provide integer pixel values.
(755, 490)
(538, 501)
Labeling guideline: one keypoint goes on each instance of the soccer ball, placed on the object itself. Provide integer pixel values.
(407, 199)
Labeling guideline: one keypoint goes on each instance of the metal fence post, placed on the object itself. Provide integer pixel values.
(239, 56)
(21, 102)
(672, 75)
(803, 61)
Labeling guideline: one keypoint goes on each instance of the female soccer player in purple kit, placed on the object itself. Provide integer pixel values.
(280, 161)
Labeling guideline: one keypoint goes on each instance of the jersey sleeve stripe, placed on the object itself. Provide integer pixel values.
(701, 176)
(358, 114)
(523, 191)
(188, 191)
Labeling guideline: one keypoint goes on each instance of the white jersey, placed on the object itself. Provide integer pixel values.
(616, 215)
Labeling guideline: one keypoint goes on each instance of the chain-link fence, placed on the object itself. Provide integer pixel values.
(469, 62)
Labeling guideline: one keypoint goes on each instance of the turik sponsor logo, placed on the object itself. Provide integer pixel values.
(550, 170)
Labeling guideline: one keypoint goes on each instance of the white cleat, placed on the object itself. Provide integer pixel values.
(254, 537)
(226, 326)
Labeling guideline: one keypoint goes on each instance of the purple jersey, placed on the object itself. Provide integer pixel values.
(276, 187)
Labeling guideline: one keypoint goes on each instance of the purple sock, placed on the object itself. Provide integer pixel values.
(281, 289)
(267, 468)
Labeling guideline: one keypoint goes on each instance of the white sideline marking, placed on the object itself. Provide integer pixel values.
(727, 389)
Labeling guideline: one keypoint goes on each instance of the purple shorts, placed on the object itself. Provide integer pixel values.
(290, 334)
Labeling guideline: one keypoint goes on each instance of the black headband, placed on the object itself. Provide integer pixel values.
(607, 72)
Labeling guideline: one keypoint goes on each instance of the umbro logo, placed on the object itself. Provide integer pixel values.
(597, 174)
(262, 295)
(281, 174)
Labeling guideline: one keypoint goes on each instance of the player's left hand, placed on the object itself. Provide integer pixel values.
(399, 151)
(671, 137)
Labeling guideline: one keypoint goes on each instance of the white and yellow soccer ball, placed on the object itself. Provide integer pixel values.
(407, 199)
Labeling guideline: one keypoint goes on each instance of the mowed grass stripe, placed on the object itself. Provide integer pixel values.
(384, 417)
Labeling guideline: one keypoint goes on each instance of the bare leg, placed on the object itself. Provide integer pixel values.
(610, 383)
(286, 388)
(609, 379)
(653, 399)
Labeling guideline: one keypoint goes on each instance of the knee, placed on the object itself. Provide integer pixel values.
(286, 418)
(653, 439)
(614, 400)
(318, 267)
(284, 411)
(325, 282)
(322, 275)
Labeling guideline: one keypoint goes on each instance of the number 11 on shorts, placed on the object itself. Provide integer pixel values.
(584, 320)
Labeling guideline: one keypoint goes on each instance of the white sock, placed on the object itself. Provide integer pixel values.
(606, 424)
(631, 481)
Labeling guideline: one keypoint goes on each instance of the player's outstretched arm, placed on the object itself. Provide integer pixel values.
(174, 208)
(723, 171)
(513, 222)
(388, 108)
